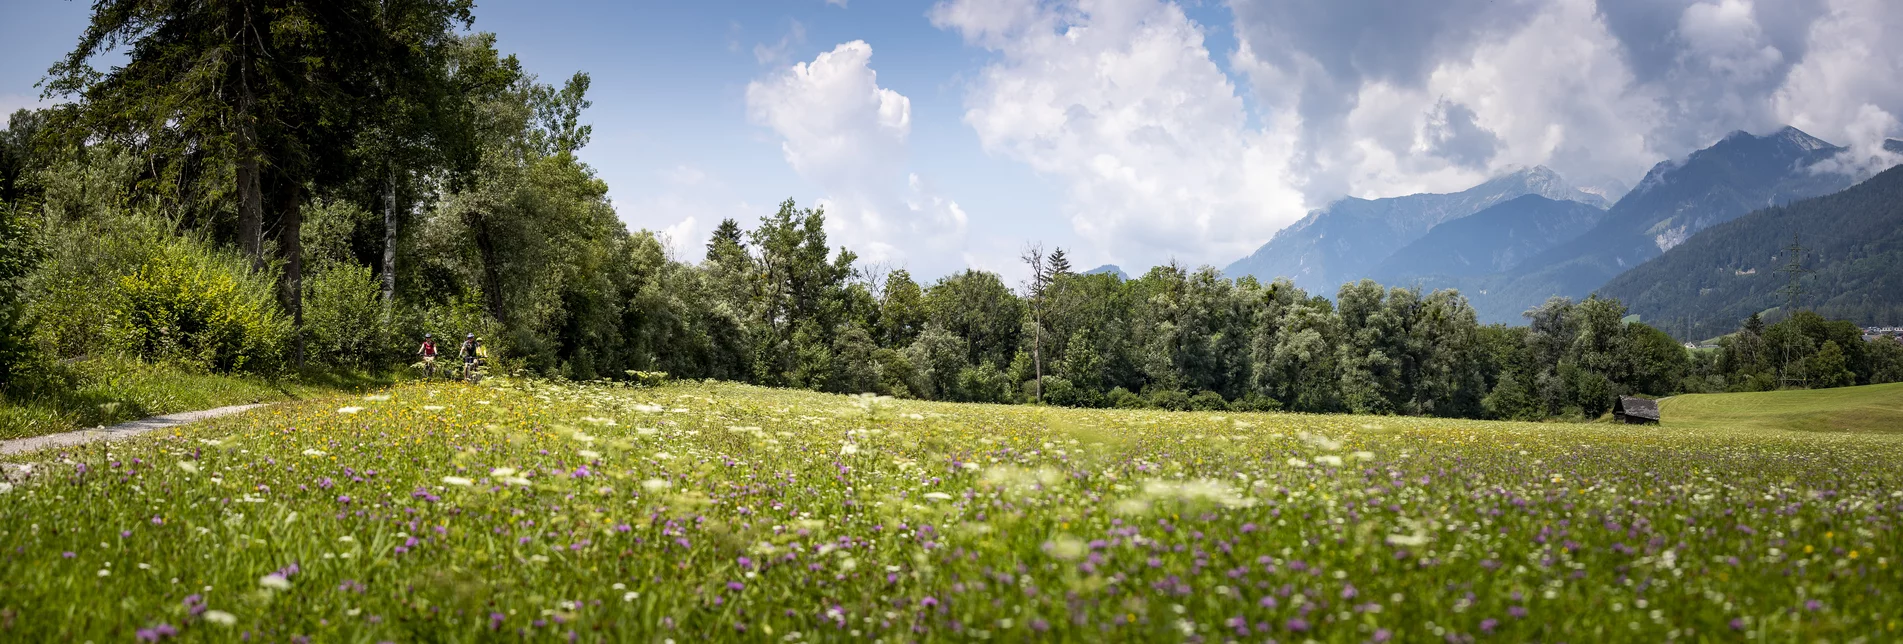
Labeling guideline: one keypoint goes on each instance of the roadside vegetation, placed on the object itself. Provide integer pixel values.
(105, 392)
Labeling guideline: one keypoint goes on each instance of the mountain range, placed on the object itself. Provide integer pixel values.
(1852, 241)
(1490, 241)
(1676, 200)
(1514, 241)
(1348, 239)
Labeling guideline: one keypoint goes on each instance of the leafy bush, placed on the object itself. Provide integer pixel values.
(19, 252)
(896, 374)
(1168, 398)
(1061, 391)
(984, 383)
(201, 308)
(119, 281)
(1208, 401)
(344, 320)
(1121, 398)
(1253, 401)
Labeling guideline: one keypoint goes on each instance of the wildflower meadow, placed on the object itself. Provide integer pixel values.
(538, 511)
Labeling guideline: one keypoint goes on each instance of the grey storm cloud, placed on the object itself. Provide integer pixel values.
(1648, 39)
(1683, 73)
(1457, 137)
(1712, 84)
(1355, 40)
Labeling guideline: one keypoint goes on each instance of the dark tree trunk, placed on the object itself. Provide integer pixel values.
(289, 202)
(1037, 355)
(491, 267)
(389, 239)
(250, 185)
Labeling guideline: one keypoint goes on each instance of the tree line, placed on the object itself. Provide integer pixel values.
(266, 186)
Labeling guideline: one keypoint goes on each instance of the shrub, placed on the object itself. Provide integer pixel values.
(1208, 401)
(896, 374)
(19, 252)
(201, 308)
(1061, 391)
(344, 321)
(1121, 398)
(1253, 401)
(1171, 399)
(984, 383)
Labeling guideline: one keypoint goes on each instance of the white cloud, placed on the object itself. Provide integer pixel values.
(1849, 89)
(837, 3)
(846, 134)
(680, 238)
(687, 210)
(1553, 93)
(1120, 100)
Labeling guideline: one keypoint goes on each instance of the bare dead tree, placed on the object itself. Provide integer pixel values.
(1033, 257)
(874, 275)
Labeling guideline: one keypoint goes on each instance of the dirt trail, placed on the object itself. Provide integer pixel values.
(117, 432)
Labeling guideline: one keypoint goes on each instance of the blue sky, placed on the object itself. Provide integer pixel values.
(949, 133)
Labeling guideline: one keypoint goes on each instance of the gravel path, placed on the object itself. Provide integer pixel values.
(116, 432)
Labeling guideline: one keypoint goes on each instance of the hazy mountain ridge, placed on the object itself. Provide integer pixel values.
(1348, 239)
(1490, 241)
(1111, 269)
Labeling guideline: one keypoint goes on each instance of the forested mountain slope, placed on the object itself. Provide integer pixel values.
(1676, 200)
(1852, 239)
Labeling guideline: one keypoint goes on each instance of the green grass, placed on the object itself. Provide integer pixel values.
(105, 392)
(1867, 409)
(702, 512)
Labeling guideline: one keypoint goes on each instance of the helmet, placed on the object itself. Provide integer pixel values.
(472, 336)
(427, 336)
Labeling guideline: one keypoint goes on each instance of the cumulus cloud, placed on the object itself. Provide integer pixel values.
(686, 209)
(1123, 101)
(845, 133)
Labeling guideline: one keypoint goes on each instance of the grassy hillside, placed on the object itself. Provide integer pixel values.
(1869, 409)
(525, 511)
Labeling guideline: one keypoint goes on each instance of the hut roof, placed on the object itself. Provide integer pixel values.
(1640, 407)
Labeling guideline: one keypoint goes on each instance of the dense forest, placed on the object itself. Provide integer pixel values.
(320, 184)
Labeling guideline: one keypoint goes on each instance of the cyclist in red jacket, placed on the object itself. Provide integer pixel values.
(428, 351)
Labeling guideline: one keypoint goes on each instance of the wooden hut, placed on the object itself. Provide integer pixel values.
(1635, 411)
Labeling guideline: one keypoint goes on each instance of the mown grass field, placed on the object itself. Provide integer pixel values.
(533, 511)
(1872, 408)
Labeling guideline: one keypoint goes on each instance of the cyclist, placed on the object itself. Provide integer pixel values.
(469, 353)
(428, 352)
